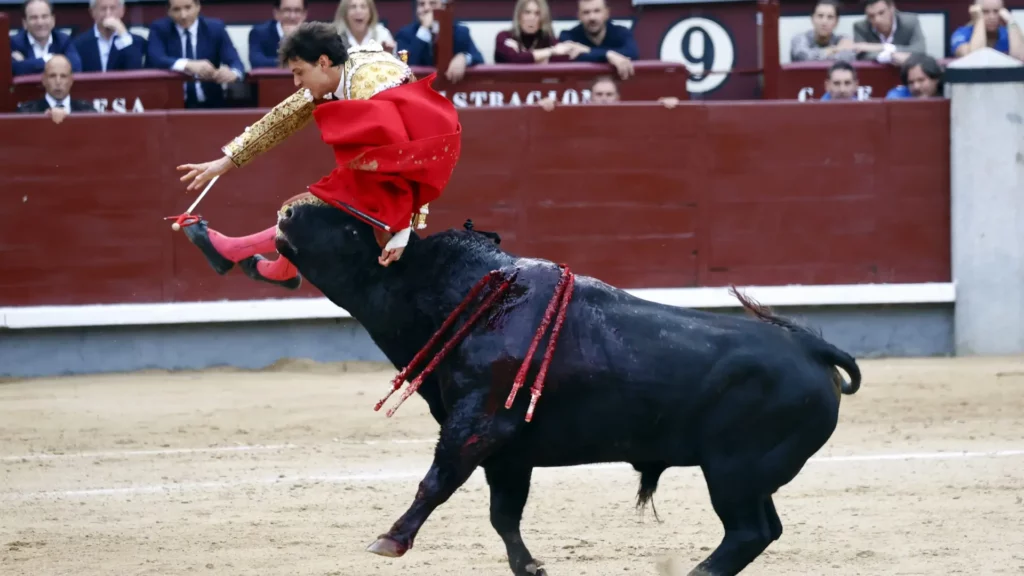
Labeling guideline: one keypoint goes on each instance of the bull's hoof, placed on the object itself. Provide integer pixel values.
(249, 266)
(199, 235)
(385, 546)
(534, 569)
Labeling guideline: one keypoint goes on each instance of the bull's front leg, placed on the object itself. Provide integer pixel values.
(467, 437)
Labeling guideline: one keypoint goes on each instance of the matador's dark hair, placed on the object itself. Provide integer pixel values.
(310, 41)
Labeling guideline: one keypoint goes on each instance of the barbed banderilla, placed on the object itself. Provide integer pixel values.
(556, 309)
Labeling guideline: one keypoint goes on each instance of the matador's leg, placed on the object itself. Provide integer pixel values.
(223, 252)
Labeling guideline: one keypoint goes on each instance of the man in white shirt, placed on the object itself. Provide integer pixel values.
(108, 45)
(887, 35)
(33, 47)
(57, 102)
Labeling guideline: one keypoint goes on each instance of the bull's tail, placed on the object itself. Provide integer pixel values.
(823, 350)
(650, 473)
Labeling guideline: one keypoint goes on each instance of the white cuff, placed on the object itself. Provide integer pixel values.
(123, 41)
(47, 56)
(424, 34)
(179, 65)
(885, 56)
(399, 240)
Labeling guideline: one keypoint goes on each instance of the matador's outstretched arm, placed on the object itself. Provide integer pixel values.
(283, 120)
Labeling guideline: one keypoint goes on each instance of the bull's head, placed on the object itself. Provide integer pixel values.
(324, 241)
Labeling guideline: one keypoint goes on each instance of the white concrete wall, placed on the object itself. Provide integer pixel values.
(987, 210)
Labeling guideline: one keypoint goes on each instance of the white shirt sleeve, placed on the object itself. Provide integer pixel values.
(123, 41)
(885, 56)
(399, 240)
(179, 65)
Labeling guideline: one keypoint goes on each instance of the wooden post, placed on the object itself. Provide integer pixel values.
(445, 48)
(768, 28)
(7, 103)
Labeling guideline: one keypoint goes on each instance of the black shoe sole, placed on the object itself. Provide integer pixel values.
(252, 271)
(200, 236)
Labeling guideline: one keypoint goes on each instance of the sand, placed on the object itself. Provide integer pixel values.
(290, 471)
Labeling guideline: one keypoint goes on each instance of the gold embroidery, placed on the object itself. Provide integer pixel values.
(370, 70)
(288, 117)
(304, 198)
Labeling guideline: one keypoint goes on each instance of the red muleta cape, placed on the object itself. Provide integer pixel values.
(395, 151)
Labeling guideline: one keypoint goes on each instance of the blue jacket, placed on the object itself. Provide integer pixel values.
(212, 43)
(263, 44)
(89, 51)
(617, 39)
(421, 52)
(31, 65)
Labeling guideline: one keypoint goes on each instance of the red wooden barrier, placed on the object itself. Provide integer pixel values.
(638, 195)
(128, 91)
(515, 84)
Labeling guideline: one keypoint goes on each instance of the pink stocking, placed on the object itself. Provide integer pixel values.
(236, 249)
(279, 269)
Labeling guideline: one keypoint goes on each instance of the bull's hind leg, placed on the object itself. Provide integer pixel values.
(468, 436)
(751, 524)
(510, 487)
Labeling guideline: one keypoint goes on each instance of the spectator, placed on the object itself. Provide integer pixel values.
(197, 46)
(604, 90)
(108, 45)
(265, 37)
(841, 82)
(359, 23)
(603, 41)
(821, 42)
(887, 35)
(33, 47)
(57, 102)
(531, 39)
(998, 31)
(419, 38)
(922, 78)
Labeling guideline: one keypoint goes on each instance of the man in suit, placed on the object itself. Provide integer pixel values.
(57, 102)
(198, 47)
(420, 37)
(33, 47)
(887, 35)
(266, 37)
(108, 45)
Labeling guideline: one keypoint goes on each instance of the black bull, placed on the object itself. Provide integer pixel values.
(748, 400)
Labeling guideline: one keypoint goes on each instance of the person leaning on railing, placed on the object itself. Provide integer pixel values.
(531, 40)
(821, 42)
(922, 78)
(605, 41)
(991, 25)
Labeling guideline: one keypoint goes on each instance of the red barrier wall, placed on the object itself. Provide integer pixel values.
(637, 195)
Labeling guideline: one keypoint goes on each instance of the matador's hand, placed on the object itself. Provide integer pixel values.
(203, 173)
(388, 256)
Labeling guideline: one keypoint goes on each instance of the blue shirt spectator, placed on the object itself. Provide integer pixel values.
(962, 36)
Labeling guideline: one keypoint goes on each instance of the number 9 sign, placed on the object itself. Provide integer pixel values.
(703, 45)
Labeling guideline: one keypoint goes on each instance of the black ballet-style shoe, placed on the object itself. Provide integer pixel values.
(249, 266)
(199, 235)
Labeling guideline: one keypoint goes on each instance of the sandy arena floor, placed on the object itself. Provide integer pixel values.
(290, 471)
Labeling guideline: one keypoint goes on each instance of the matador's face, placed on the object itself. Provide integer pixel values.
(320, 78)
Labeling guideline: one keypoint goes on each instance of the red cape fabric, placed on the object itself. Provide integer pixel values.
(395, 151)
